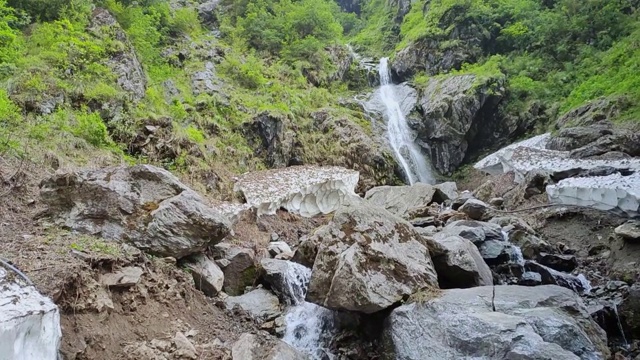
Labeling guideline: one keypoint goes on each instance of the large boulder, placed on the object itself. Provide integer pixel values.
(207, 275)
(458, 262)
(142, 205)
(238, 265)
(305, 190)
(263, 347)
(29, 321)
(506, 322)
(367, 260)
(260, 304)
(406, 202)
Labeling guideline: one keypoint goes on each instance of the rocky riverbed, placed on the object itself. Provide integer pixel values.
(305, 268)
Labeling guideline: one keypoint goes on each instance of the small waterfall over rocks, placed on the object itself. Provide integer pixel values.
(402, 140)
(309, 327)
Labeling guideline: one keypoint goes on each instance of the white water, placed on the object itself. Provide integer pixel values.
(309, 327)
(401, 138)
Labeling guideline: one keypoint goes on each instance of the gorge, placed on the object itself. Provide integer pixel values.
(319, 179)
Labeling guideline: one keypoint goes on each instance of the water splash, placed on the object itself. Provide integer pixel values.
(615, 312)
(586, 284)
(402, 140)
(309, 327)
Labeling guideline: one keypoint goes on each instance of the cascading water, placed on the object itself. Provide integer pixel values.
(402, 140)
(309, 327)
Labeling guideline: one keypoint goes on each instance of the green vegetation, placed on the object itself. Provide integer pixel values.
(564, 52)
(60, 91)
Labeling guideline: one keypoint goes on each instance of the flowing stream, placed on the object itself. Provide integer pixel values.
(309, 327)
(402, 140)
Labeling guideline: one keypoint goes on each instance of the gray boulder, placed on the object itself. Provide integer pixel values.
(458, 263)
(142, 205)
(367, 260)
(475, 231)
(238, 265)
(406, 202)
(260, 304)
(475, 209)
(629, 230)
(207, 276)
(502, 322)
(263, 347)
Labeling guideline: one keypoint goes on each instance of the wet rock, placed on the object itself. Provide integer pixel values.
(475, 209)
(142, 205)
(238, 266)
(276, 248)
(496, 252)
(575, 137)
(553, 277)
(475, 231)
(272, 138)
(423, 222)
(543, 322)
(530, 245)
(29, 321)
(629, 230)
(207, 275)
(458, 263)
(452, 120)
(280, 275)
(306, 252)
(530, 278)
(367, 260)
(260, 304)
(260, 347)
(565, 263)
(125, 277)
(406, 202)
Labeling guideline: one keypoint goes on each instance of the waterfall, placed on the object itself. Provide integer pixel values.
(309, 327)
(401, 138)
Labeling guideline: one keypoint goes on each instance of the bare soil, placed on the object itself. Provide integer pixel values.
(99, 323)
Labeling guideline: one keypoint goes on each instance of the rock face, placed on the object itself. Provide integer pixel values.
(29, 322)
(367, 260)
(404, 201)
(142, 205)
(459, 265)
(261, 304)
(304, 190)
(238, 266)
(257, 347)
(124, 64)
(457, 118)
(545, 322)
(272, 139)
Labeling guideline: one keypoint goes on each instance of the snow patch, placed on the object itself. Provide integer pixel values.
(609, 193)
(29, 322)
(304, 190)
